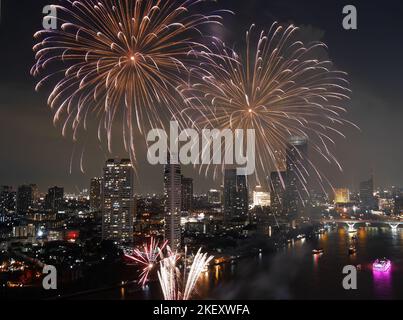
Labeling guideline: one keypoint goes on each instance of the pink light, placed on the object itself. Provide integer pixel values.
(381, 265)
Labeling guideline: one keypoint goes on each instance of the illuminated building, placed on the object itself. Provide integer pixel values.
(236, 197)
(386, 204)
(95, 194)
(54, 199)
(367, 198)
(24, 199)
(118, 201)
(277, 191)
(296, 160)
(187, 194)
(341, 195)
(28, 231)
(260, 197)
(173, 206)
(7, 199)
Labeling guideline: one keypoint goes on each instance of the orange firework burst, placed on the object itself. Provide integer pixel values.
(113, 56)
(280, 88)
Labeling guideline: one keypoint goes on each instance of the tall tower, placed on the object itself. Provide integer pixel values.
(235, 194)
(54, 198)
(118, 201)
(296, 175)
(187, 194)
(24, 199)
(173, 204)
(277, 191)
(95, 194)
(367, 198)
(7, 199)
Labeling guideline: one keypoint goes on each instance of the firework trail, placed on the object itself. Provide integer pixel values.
(280, 88)
(176, 286)
(148, 257)
(127, 57)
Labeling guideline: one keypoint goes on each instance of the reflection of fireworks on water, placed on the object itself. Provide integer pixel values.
(148, 257)
(113, 53)
(281, 89)
(176, 286)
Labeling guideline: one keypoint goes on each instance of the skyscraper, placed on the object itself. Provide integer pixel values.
(187, 194)
(95, 194)
(35, 193)
(277, 191)
(236, 199)
(173, 199)
(54, 199)
(118, 201)
(7, 199)
(296, 175)
(24, 199)
(367, 199)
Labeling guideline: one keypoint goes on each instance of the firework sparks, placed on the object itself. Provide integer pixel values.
(148, 257)
(280, 88)
(119, 56)
(176, 286)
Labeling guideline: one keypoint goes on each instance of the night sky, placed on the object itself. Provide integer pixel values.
(33, 150)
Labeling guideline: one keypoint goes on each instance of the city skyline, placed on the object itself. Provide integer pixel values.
(374, 105)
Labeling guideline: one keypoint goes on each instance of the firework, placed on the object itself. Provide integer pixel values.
(148, 257)
(176, 286)
(114, 57)
(280, 88)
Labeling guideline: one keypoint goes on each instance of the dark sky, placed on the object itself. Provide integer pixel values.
(33, 150)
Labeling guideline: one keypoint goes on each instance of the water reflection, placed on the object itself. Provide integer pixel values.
(308, 276)
(383, 284)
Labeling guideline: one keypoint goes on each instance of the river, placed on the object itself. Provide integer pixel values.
(294, 273)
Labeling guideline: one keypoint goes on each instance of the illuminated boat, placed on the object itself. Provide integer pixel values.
(318, 251)
(352, 250)
(381, 265)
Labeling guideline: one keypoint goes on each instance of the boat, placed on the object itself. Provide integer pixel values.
(318, 251)
(352, 250)
(382, 265)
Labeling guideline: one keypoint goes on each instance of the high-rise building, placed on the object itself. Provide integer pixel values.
(341, 195)
(214, 196)
(277, 191)
(118, 201)
(35, 193)
(96, 194)
(187, 194)
(261, 198)
(242, 204)
(236, 199)
(173, 199)
(7, 199)
(296, 196)
(24, 199)
(55, 199)
(367, 198)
